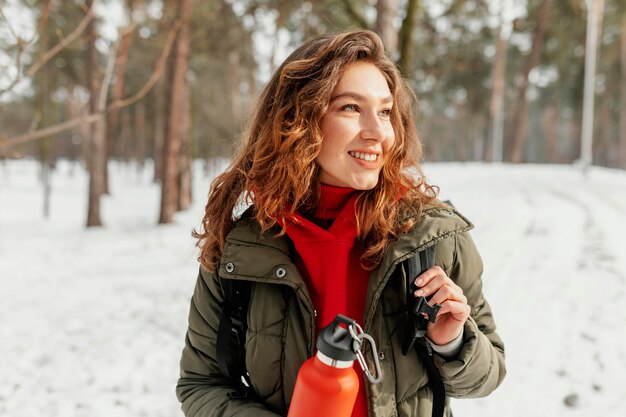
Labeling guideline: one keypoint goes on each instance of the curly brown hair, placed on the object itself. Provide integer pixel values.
(276, 168)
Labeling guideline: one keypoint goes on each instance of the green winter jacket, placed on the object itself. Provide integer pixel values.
(281, 320)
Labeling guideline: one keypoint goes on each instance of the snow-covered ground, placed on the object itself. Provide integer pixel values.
(92, 321)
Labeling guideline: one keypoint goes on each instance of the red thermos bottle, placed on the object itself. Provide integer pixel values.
(327, 384)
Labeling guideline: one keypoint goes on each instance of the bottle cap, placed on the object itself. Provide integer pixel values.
(335, 341)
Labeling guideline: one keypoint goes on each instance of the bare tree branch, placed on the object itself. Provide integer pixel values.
(34, 123)
(357, 17)
(92, 118)
(51, 53)
(51, 130)
(43, 19)
(61, 45)
(11, 30)
(21, 45)
(106, 80)
(158, 71)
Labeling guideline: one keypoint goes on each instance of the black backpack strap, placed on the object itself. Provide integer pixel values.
(231, 334)
(425, 353)
(418, 306)
(414, 267)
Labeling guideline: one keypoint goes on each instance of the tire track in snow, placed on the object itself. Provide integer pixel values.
(563, 242)
(600, 314)
(594, 253)
(532, 263)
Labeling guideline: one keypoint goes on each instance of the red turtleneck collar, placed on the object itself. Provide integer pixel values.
(331, 201)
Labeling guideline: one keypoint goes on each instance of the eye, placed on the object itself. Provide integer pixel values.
(386, 113)
(349, 107)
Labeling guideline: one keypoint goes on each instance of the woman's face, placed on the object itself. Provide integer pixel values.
(356, 129)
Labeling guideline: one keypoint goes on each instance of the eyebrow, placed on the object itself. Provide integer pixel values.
(358, 97)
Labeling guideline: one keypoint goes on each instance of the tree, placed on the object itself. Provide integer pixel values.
(173, 138)
(595, 10)
(117, 91)
(386, 12)
(45, 74)
(43, 111)
(97, 153)
(497, 94)
(520, 112)
(82, 118)
(558, 103)
(622, 98)
(160, 95)
(406, 37)
(184, 158)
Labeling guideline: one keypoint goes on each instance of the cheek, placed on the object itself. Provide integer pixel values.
(328, 151)
(335, 138)
(391, 139)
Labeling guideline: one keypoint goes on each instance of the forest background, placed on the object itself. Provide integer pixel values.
(169, 81)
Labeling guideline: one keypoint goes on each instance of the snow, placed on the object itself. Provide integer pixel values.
(93, 321)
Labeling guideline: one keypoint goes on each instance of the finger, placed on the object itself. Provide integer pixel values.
(434, 285)
(431, 274)
(448, 292)
(455, 309)
(428, 275)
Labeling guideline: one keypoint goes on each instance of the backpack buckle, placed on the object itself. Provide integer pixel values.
(422, 309)
(419, 315)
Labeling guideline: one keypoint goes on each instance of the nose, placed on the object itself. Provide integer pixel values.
(372, 127)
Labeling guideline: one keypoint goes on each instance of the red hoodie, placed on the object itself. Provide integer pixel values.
(330, 263)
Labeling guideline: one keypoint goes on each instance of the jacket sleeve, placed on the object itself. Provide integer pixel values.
(479, 368)
(202, 389)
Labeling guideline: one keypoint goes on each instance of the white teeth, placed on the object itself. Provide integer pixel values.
(364, 156)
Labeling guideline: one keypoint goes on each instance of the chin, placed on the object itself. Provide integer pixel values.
(365, 185)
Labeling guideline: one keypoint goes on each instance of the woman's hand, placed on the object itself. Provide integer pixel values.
(454, 308)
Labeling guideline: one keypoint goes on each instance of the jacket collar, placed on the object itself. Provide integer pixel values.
(436, 223)
(267, 257)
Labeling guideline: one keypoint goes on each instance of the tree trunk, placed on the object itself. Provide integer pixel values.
(169, 189)
(550, 123)
(235, 91)
(386, 12)
(184, 160)
(125, 140)
(117, 92)
(43, 89)
(458, 130)
(96, 154)
(497, 97)
(140, 133)
(574, 133)
(159, 127)
(595, 12)
(622, 107)
(520, 114)
(405, 38)
(160, 96)
(601, 150)
(96, 175)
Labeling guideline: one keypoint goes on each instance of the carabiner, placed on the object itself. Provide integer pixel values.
(358, 338)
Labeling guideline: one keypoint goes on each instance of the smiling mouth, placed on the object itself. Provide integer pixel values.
(364, 156)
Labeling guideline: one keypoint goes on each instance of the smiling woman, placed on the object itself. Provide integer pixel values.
(334, 217)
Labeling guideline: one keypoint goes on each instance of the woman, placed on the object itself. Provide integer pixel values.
(330, 169)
